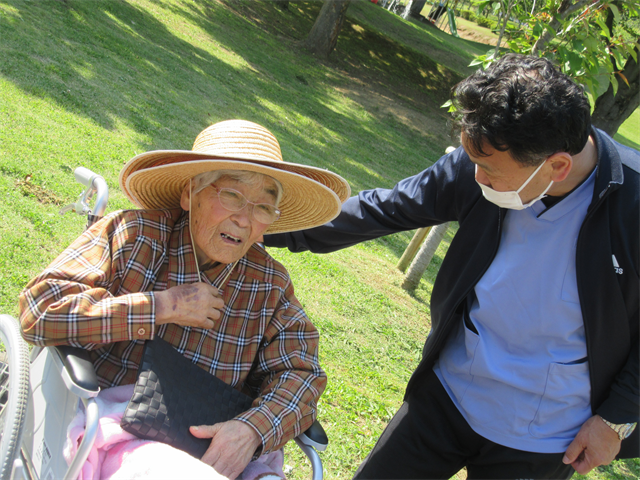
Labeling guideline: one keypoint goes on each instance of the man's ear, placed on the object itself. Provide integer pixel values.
(561, 164)
(184, 198)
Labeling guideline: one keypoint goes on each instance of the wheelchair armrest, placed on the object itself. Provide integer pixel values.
(315, 437)
(77, 371)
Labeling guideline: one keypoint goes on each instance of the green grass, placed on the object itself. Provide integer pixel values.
(629, 132)
(94, 83)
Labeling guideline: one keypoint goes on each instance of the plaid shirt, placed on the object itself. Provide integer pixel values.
(98, 295)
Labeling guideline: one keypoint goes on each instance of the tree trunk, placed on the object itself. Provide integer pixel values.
(413, 247)
(611, 111)
(413, 8)
(424, 256)
(324, 35)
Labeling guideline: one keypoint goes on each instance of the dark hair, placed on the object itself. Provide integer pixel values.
(525, 105)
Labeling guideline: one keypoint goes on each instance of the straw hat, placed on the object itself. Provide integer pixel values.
(311, 196)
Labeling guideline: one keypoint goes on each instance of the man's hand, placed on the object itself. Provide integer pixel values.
(189, 305)
(596, 444)
(233, 443)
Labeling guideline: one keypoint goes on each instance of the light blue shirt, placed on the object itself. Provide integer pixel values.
(522, 380)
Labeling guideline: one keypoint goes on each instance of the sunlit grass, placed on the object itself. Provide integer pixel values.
(629, 132)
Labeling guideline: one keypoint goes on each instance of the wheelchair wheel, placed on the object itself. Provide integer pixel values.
(14, 392)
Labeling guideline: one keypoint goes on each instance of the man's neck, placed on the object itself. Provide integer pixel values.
(582, 166)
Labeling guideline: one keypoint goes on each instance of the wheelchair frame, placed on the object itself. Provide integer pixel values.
(78, 375)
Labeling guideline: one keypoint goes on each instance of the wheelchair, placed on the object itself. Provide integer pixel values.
(40, 391)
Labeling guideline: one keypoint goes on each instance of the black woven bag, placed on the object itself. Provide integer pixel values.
(171, 394)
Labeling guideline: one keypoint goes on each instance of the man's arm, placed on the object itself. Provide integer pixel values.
(436, 195)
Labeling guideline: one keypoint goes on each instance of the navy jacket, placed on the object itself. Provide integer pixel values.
(609, 297)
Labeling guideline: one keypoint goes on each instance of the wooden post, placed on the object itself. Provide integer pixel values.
(416, 241)
(424, 256)
(412, 248)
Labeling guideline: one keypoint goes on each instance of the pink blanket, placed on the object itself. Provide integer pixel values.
(119, 455)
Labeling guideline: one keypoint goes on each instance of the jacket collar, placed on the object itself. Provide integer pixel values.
(609, 175)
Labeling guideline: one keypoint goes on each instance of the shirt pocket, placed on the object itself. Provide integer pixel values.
(456, 359)
(565, 403)
(461, 364)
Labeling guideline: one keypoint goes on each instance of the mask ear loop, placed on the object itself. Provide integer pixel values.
(195, 254)
(531, 178)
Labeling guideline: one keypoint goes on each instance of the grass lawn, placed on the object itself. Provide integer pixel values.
(94, 83)
(629, 132)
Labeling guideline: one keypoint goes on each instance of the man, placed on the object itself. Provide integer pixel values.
(531, 367)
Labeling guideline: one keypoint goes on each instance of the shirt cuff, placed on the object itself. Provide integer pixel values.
(263, 422)
(141, 316)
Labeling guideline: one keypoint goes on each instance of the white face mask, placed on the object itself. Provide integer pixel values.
(511, 199)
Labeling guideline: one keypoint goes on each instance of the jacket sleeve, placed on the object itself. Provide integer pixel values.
(287, 376)
(431, 197)
(623, 403)
(81, 300)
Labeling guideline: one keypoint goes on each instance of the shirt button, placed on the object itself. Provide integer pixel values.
(141, 331)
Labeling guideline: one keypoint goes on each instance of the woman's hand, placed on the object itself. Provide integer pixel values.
(233, 444)
(189, 305)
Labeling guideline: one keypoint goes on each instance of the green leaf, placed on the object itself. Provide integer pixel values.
(450, 106)
(604, 29)
(592, 44)
(620, 60)
(614, 84)
(550, 30)
(483, 5)
(616, 12)
(537, 30)
(478, 60)
(577, 45)
(575, 62)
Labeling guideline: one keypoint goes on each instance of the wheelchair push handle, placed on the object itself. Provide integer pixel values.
(94, 185)
(84, 176)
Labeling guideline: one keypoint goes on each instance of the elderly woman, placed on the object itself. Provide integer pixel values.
(187, 268)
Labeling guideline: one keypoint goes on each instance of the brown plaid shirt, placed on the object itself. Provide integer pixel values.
(98, 294)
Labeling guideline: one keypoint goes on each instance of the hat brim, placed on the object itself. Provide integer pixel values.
(311, 196)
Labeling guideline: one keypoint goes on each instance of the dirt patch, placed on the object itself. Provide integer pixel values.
(42, 195)
(383, 102)
(476, 36)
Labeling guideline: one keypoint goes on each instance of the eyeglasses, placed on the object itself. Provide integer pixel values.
(235, 201)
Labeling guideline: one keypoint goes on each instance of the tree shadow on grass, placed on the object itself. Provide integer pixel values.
(107, 61)
(116, 63)
(626, 141)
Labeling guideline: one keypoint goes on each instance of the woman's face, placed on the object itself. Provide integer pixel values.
(221, 235)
